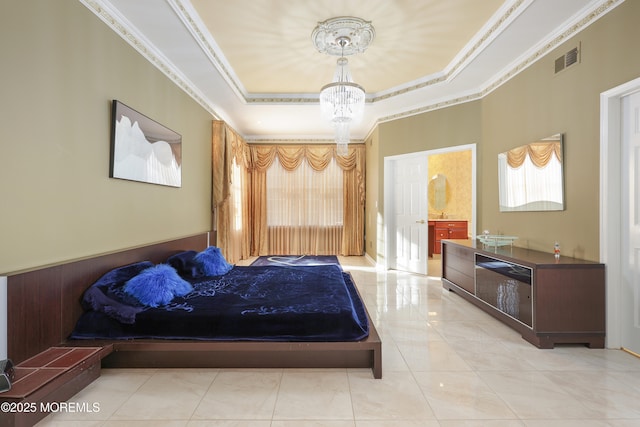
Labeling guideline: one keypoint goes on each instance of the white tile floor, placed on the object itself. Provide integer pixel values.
(445, 364)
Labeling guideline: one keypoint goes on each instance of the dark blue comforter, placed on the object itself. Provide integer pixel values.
(313, 303)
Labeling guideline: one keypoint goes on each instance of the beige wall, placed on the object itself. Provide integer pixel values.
(538, 103)
(61, 67)
(534, 104)
(448, 127)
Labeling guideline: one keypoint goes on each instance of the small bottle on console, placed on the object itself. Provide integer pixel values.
(556, 250)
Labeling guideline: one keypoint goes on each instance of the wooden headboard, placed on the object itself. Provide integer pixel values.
(43, 305)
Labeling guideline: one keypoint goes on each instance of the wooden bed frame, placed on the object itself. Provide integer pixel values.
(43, 306)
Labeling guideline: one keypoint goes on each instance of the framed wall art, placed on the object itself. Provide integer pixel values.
(142, 149)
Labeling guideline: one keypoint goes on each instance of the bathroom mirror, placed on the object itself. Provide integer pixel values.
(531, 177)
(439, 192)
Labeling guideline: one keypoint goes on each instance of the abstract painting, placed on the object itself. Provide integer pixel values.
(143, 149)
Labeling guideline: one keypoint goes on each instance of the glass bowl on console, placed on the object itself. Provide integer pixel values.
(495, 240)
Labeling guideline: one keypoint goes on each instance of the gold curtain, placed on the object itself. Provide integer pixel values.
(232, 236)
(539, 152)
(261, 159)
(354, 193)
(228, 148)
(318, 157)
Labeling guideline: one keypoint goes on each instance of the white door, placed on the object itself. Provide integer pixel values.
(630, 291)
(411, 213)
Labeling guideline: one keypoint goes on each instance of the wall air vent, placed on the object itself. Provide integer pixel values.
(568, 59)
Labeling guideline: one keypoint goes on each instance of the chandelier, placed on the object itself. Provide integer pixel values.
(342, 100)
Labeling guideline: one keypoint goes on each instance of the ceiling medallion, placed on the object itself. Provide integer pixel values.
(327, 35)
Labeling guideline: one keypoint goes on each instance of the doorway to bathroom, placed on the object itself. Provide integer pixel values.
(406, 202)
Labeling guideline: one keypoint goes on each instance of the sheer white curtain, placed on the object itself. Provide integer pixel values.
(237, 226)
(305, 209)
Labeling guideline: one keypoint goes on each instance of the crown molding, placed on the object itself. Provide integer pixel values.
(501, 19)
(188, 15)
(581, 22)
(504, 17)
(121, 26)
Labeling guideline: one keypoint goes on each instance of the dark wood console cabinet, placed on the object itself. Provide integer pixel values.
(547, 300)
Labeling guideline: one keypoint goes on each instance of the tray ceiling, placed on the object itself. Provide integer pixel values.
(252, 62)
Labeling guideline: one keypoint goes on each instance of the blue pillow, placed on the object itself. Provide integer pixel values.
(185, 264)
(212, 262)
(106, 295)
(157, 286)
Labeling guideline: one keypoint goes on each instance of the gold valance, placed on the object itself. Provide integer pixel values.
(317, 156)
(539, 152)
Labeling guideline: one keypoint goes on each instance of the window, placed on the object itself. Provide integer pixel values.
(236, 196)
(304, 210)
(304, 197)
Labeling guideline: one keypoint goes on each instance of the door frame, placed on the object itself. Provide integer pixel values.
(390, 165)
(610, 204)
(389, 211)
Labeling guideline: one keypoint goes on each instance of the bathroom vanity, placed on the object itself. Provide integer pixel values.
(445, 229)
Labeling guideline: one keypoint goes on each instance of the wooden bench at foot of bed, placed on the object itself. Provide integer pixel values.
(44, 306)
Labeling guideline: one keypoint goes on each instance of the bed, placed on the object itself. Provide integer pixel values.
(350, 340)
(243, 303)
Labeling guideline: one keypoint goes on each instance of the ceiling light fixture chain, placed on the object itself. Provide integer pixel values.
(342, 100)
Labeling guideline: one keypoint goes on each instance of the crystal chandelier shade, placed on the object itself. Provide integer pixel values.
(342, 101)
